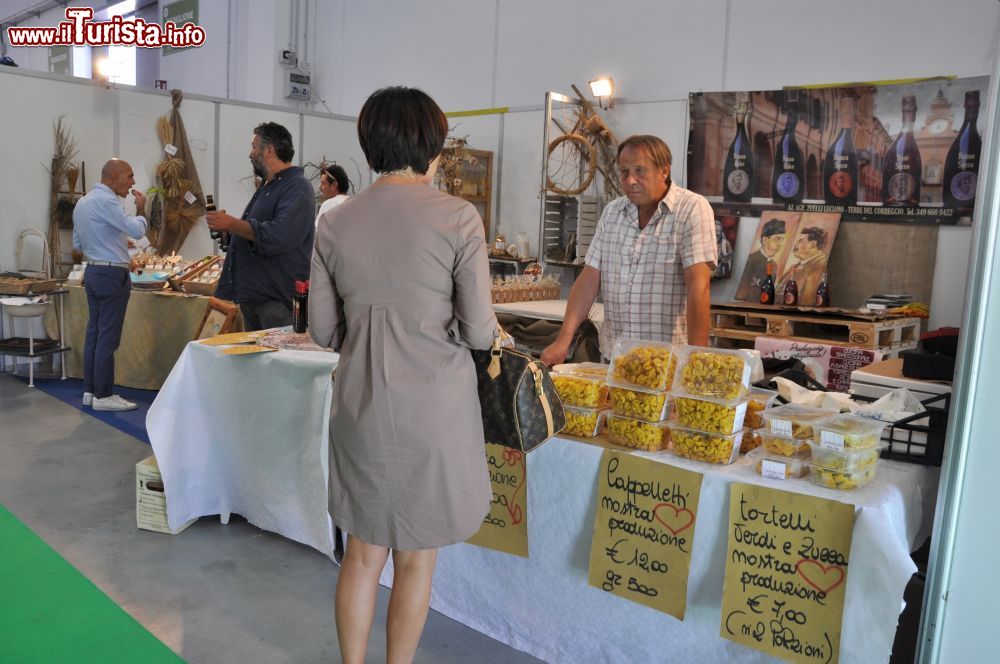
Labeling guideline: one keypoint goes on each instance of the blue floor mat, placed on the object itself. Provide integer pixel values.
(132, 422)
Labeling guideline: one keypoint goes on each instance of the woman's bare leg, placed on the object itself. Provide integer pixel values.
(408, 603)
(357, 589)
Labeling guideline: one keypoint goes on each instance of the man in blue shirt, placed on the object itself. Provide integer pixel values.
(101, 230)
(271, 245)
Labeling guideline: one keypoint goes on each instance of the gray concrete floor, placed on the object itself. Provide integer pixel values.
(213, 593)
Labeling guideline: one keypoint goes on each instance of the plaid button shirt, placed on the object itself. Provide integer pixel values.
(642, 271)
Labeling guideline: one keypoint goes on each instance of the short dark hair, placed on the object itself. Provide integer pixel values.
(338, 175)
(279, 138)
(815, 234)
(401, 127)
(773, 227)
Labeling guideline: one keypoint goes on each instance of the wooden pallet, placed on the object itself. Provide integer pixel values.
(744, 322)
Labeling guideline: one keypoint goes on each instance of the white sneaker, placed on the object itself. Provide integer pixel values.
(114, 402)
(88, 398)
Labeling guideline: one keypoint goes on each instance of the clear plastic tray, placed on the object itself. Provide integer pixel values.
(783, 445)
(711, 415)
(849, 431)
(760, 399)
(584, 422)
(841, 479)
(777, 466)
(751, 440)
(647, 365)
(713, 372)
(580, 389)
(641, 404)
(851, 460)
(792, 421)
(705, 446)
(595, 369)
(638, 434)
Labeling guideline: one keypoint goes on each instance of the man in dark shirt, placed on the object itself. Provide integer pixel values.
(271, 244)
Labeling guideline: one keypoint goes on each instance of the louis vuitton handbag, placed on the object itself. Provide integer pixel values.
(521, 408)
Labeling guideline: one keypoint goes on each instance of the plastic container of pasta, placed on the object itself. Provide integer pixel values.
(595, 369)
(647, 365)
(849, 432)
(793, 421)
(751, 440)
(777, 466)
(638, 434)
(705, 446)
(712, 372)
(584, 422)
(707, 414)
(848, 459)
(759, 400)
(647, 405)
(580, 389)
(783, 445)
(841, 479)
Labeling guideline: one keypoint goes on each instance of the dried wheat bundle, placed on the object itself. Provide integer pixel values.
(164, 130)
(63, 153)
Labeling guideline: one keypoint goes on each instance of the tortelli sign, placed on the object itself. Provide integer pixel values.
(179, 30)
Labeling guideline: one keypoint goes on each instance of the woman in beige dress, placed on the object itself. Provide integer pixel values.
(401, 287)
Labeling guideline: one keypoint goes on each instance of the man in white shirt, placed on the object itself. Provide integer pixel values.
(334, 185)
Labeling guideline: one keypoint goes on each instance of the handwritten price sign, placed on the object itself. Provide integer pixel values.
(505, 528)
(643, 531)
(786, 573)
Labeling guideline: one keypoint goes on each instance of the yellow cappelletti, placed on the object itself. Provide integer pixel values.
(713, 375)
(648, 366)
(702, 446)
(641, 405)
(579, 391)
(706, 415)
(838, 479)
(581, 423)
(636, 434)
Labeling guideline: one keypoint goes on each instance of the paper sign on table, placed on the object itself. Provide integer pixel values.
(505, 528)
(233, 338)
(786, 573)
(248, 349)
(644, 531)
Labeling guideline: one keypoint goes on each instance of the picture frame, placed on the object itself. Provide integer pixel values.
(221, 317)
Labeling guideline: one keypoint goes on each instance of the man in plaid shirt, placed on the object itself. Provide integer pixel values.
(652, 258)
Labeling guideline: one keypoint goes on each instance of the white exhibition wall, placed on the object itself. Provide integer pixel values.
(121, 122)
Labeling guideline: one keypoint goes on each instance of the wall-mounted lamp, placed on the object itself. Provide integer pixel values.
(603, 88)
(108, 70)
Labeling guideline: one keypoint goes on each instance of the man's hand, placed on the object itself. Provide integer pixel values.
(555, 353)
(218, 220)
(140, 202)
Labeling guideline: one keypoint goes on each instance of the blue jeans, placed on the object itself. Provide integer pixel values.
(108, 289)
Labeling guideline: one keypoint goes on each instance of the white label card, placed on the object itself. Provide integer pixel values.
(190, 198)
(170, 149)
(781, 427)
(831, 440)
(773, 469)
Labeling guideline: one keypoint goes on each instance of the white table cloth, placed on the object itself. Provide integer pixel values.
(247, 434)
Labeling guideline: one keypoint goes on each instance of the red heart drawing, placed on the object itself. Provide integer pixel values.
(820, 575)
(678, 518)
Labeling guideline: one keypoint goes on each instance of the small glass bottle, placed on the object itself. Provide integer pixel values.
(823, 293)
(791, 294)
(300, 307)
(767, 288)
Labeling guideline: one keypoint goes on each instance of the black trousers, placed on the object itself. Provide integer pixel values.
(266, 314)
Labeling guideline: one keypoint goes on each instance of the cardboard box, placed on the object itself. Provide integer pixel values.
(150, 499)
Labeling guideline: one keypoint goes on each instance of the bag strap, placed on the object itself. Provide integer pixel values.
(543, 398)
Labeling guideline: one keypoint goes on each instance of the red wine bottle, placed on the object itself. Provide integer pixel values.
(788, 177)
(737, 185)
(300, 307)
(823, 293)
(902, 168)
(210, 207)
(840, 166)
(767, 288)
(791, 295)
(961, 167)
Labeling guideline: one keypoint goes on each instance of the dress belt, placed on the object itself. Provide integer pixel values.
(109, 264)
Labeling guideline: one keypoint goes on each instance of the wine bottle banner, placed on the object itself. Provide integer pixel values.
(902, 168)
(840, 167)
(738, 175)
(961, 167)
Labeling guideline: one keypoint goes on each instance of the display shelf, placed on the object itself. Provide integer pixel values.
(31, 348)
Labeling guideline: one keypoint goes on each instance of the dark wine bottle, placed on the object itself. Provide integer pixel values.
(767, 288)
(788, 177)
(823, 293)
(961, 167)
(791, 294)
(840, 167)
(902, 168)
(737, 185)
(210, 207)
(300, 307)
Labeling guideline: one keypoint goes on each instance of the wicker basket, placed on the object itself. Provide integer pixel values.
(15, 286)
(199, 288)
